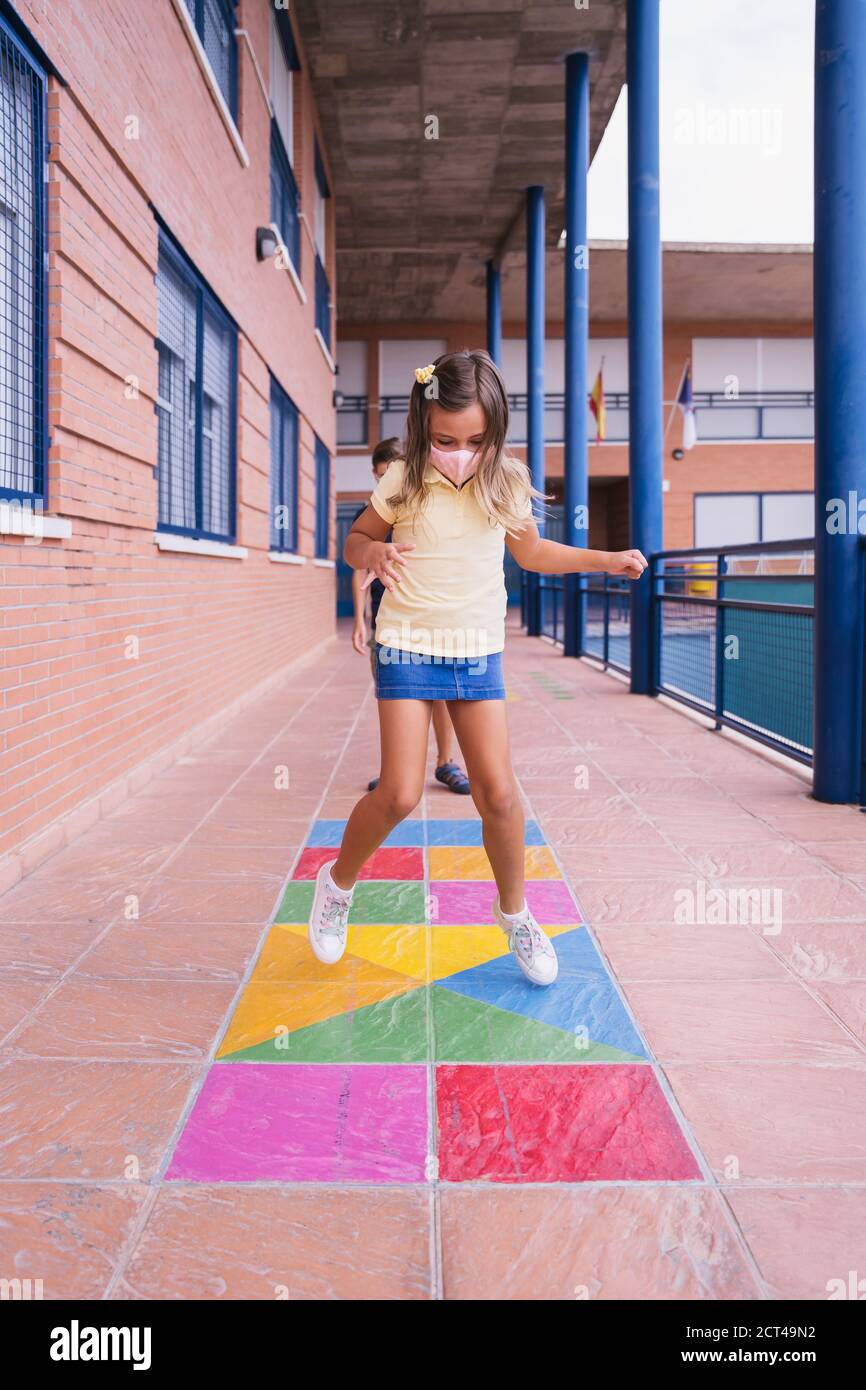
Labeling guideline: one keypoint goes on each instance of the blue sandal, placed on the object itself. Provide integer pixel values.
(454, 778)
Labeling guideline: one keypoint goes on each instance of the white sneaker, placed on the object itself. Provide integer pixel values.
(532, 950)
(329, 917)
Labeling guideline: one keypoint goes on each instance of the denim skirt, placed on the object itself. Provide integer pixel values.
(413, 676)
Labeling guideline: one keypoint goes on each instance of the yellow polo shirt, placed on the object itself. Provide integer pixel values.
(451, 600)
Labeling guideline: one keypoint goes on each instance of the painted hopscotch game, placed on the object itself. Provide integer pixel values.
(424, 1054)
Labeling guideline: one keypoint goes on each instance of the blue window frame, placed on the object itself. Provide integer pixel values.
(323, 304)
(285, 199)
(23, 339)
(214, 22)
(323, 288)
(323, 499)
(284, 470)
(196, 402)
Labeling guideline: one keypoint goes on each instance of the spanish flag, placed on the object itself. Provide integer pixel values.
(596, 405)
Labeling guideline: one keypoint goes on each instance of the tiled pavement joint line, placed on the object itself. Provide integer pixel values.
(130, 1245)
(437, 1275)
(461, 1184)
(432, 1163)
(728, 1214)
(823, 867)
(254, 956)
(811, 1064)
(656, 1067)
(195, 1090)
(732, 1222)
(160, 868)
(797, 979)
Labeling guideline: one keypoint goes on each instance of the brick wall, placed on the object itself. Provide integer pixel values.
(112, 649)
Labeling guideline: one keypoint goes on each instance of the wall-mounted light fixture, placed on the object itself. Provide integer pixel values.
(677, 454)
(266, 243)
(337, 399)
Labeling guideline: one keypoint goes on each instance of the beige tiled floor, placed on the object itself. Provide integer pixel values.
(122, 957)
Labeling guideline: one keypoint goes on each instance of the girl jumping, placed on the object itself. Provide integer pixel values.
(451, 504)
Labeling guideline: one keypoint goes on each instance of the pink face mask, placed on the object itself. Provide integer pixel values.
(455, 464)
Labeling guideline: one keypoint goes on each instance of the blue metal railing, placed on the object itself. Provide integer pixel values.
(749, 415)
(607, 621)
(733, 637)
(732, 633)
(606, 608)
(352, 419)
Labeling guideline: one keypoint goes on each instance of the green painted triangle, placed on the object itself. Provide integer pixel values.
(391, 1030)
(467, 1030)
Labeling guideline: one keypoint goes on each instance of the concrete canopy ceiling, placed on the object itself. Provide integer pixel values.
(701, 283)
(417, 217)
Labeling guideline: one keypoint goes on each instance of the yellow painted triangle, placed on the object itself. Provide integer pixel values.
(265, 1011)
(461, 948)
(402, 950)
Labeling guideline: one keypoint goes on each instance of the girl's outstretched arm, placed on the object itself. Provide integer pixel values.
(541, 556)
(367, 549)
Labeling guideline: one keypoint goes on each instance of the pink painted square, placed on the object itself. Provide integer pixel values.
(390, 862)
(257, 1122)
(470, 903)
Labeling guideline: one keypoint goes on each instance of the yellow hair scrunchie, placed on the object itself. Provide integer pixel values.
(424, 375)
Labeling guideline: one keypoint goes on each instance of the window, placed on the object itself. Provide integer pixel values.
(285, 200)
(323, 193)
(284, 470)
(352, 388)
(214, 22)
(323, 288)
(196, 403)
(283, 62)
(22, 272)
(742, 518)
(323, 499)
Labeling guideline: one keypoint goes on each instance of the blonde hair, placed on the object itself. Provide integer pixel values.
(502, 483)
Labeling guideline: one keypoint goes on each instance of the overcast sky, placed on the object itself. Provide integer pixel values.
(736, 126)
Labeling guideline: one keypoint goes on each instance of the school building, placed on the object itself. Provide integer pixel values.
(206, 207)
(166, 516)
(739, 316)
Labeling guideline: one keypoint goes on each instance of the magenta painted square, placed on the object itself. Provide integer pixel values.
(470, 903)
(258, 1122)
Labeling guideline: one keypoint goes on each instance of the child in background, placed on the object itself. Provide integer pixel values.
(449, 773)
(450, 505)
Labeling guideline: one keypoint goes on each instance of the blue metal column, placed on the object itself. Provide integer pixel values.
(644, 321)
(576, 336)
(494, 313)
(535, 371)
(840, 392)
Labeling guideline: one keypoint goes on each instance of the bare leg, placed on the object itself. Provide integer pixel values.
(404, 726)
(482, 733)
(444, 731)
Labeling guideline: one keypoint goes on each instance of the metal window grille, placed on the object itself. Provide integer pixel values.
(284, 471)
(323, 499)
(323, 303)
(214, 22)
(195, 406)
(22, 272)
(285, 200)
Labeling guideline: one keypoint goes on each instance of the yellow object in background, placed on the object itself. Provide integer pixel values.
(702, 586)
